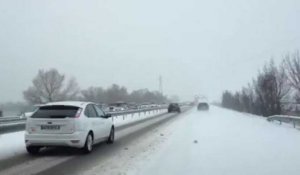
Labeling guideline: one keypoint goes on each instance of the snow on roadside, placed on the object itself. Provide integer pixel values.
(225, 142)
(11, 144)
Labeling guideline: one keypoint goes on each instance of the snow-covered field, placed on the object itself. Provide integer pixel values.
(12, 144)
(225, 142)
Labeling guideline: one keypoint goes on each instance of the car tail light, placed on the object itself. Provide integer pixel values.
(78, 113)
(30, 130)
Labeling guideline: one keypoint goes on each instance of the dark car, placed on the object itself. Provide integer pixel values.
(174, 107)
(203, 106)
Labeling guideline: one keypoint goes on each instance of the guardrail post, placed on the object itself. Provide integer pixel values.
(294, 123)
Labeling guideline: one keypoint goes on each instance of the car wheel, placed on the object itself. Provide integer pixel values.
(33, 150)
(88, 146)
(111, 137)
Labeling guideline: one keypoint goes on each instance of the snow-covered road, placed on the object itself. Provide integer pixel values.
(229, 143)
(215, 142)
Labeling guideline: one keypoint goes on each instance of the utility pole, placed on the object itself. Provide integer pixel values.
(160, 84)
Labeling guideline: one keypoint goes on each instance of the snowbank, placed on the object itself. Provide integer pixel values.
(12, 144)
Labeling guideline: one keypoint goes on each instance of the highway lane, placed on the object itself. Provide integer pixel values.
(70, 161)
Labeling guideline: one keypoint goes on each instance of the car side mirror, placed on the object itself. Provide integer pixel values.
(22, 115)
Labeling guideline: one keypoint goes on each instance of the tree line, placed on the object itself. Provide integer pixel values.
(51, 85)
(274, 85)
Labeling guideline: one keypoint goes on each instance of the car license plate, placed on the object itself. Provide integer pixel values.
(50, 127)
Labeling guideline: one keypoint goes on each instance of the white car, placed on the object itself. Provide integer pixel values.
(72, 124)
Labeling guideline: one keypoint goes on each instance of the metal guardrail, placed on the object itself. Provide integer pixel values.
(18, 120)
(124, 114)
(286, 119)
(118, 113)
(11, 119)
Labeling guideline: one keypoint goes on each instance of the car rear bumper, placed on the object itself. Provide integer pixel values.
(76, 139)
(203, 108)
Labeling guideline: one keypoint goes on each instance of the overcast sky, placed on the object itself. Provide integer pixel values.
(199, 47)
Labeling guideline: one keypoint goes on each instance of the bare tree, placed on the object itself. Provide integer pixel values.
(51, 86)
(70, 91)
(266, 93)
(247, 99)
(116, 93)
(270, 87)
(32, 96)
(283, 87)
(292, 67)
(94, 94)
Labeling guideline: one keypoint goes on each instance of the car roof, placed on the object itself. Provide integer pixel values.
(174, 103)
(201, 102)
(81, 104)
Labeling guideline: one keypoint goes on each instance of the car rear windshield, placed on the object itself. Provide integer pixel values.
(203, 104)
(57, 111)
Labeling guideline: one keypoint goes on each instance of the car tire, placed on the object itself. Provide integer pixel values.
(33, 150)
(111, 137)
(88, 146)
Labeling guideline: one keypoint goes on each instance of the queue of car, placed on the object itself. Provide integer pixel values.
(72, 124)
